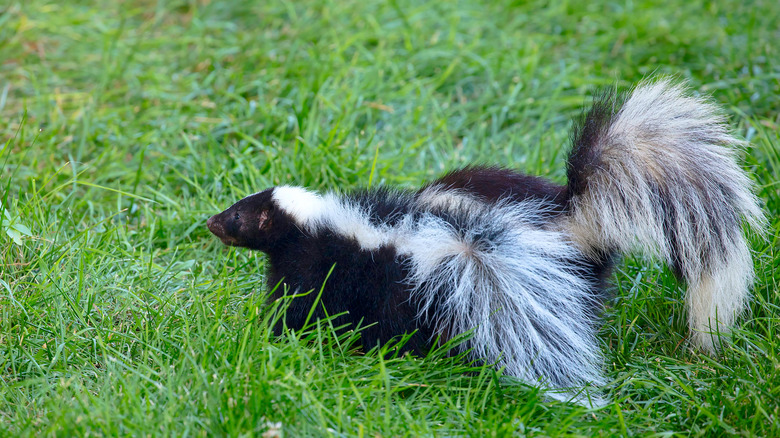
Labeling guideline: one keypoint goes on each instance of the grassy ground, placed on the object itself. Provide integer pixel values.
(125, 124)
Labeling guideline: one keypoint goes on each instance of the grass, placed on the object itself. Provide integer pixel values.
(124, 125)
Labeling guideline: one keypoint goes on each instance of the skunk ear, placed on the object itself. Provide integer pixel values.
(264, 222)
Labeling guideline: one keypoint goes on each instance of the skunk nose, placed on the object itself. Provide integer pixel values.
(214, 225)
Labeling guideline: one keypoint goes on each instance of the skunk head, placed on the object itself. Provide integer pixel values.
(269, 220)
(255, 222)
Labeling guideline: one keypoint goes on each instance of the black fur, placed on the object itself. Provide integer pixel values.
(493, 183)
(589, 130)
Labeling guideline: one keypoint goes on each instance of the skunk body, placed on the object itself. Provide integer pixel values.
(515, 259)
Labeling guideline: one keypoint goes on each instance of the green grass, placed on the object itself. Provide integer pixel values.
(124, 125)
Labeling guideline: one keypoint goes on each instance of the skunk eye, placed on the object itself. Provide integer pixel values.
(236, 216)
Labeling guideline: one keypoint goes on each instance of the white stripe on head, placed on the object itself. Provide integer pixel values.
(312, 212)
(304, 206)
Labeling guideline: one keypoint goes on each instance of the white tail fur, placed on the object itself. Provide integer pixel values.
(658, 175)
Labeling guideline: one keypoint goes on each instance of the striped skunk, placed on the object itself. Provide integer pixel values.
(521, 262)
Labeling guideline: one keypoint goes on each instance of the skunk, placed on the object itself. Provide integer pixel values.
(519, 263)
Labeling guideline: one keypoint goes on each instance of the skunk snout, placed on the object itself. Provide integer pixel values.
(215, 227)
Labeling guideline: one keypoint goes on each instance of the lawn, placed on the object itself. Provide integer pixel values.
(125, 124)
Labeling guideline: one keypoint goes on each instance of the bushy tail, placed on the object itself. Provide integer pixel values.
(492, 271)
(656, 171)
